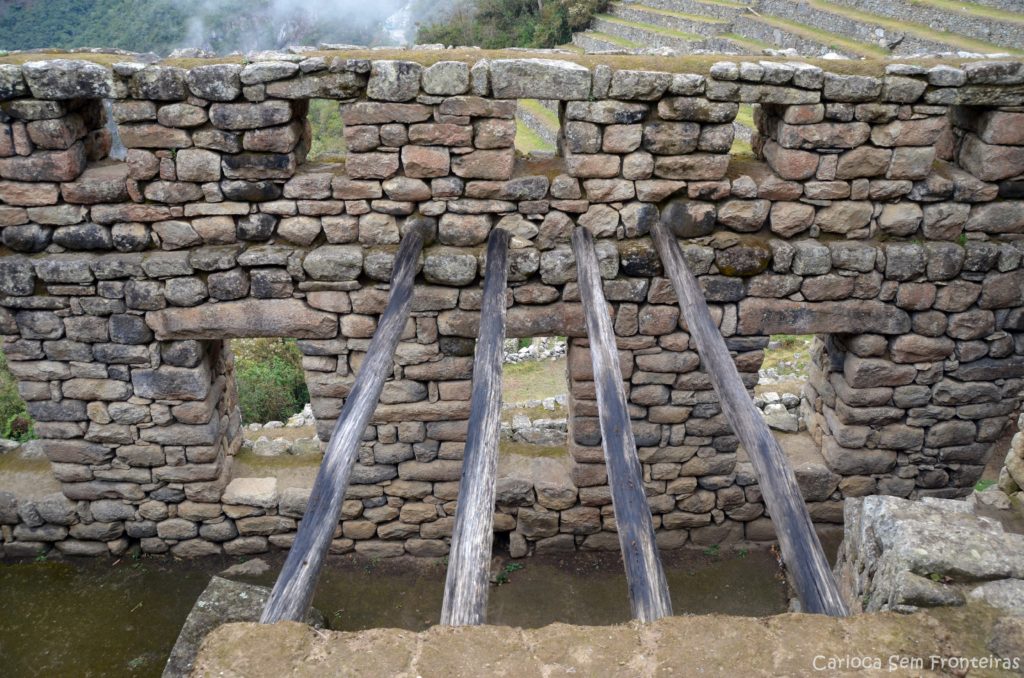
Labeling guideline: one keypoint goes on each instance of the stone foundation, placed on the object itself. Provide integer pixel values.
(121, 282)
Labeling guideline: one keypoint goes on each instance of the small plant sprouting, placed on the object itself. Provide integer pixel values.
(712, 550)
(744, 552)
(504, 576)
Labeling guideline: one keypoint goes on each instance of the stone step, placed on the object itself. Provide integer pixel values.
(783, 34)
(647, 35)
(716, 9)
(595, 41)
(830, 19)
(954, 23)
(669, 19)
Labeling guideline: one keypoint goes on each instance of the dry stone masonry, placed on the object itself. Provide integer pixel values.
(883, 214)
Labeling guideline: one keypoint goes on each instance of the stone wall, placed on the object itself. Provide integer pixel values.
(122, 279)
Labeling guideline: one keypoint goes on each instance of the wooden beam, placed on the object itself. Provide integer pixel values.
(469, 562)
(293, 592)
(648, 591)
(801, 550)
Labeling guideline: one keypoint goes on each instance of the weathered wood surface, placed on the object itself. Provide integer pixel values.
(648, 590)
(469, 562)
(801, 549)
(293, 592)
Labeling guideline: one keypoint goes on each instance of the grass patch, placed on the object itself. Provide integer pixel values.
(512, 448)
(528, 141)
(675, 15)
(970, 9)
(724, 3)
(533, 380)
(983, 485)
(830, 40)
(753, 45)
(285, 461)
(613, 39)
(791, 355)
(745, 116)
(651, 28)
(541, 112)
(918, 30)
(741, 148)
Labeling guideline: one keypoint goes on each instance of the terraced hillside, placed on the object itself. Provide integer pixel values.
(849, 28)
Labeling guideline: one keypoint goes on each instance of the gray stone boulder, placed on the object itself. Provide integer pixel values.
(394, 80)
(902, 555)
(68, 79)
(222, 602)
(539, 79)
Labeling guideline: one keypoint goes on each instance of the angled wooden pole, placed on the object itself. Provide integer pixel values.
(467, 583)
(648, 590)
(801, 550)
(293, 592)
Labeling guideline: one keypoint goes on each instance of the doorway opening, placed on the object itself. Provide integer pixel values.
(781, 379)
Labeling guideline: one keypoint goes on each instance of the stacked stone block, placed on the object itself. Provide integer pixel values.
(122, 281)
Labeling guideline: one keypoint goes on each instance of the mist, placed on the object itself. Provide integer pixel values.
(224, 26)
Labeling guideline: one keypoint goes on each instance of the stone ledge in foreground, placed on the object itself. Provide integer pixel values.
(707, 645)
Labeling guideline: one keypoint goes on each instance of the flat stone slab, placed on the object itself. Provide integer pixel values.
(239, 319)
(261, 492)
(711, 645)
(776, 316)
(222, 602)
(903, 555)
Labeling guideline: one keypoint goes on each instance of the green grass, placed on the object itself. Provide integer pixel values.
(528, 141)
(511, 448)
(614, 39)
(740, 147)
(676, 15)
(792, 355)
(817, 35)
(753, 45)
(918, 30)
(971, 9)
(533, 380)
(270, 464)
(724, 3)
(541, 112)
(651, 28)
(745, 116)
(983, 485)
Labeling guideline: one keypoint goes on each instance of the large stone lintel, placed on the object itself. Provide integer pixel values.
(565, 319)
(778, 316)
(250, 318)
